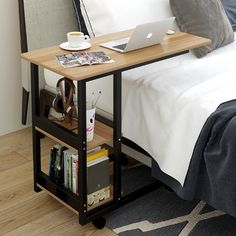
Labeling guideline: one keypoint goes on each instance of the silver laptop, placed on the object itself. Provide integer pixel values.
(143, 36)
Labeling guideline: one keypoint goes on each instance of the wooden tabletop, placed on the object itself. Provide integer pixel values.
(172, 44)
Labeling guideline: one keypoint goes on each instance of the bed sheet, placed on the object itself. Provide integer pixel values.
(166, 104)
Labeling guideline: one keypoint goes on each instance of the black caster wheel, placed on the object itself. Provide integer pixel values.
(99, 223)
(37, 189)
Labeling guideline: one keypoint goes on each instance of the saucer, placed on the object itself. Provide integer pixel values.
(83, 46)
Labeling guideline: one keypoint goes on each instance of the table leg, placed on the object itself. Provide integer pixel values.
(35, 133)
(82, 147)
(117, 135)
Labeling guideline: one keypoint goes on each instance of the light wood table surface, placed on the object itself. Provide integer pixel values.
(172, 44)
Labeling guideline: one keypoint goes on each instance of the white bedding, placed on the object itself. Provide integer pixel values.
(166, 104)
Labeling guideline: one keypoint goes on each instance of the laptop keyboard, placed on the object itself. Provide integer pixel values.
(121, 46)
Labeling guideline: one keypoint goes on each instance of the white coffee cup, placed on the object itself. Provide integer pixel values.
(75, 38)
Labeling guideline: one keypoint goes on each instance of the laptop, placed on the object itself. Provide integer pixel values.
(144, 35)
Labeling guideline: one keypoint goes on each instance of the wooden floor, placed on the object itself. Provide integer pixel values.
(24, 212)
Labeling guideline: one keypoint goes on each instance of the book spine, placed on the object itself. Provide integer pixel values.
(74, 174)
(61, 165)
(53, 162)
(74, 184)
(57, 162)
(69, 173)
(77, 177)
(65, 170)
(94, 156)
(98, 148)
(50, 161)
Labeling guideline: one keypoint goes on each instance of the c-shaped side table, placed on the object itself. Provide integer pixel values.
(171, 46)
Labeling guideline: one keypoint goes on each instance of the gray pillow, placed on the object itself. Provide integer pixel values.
(205, 18)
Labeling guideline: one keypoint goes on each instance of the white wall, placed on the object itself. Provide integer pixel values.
(10, 79)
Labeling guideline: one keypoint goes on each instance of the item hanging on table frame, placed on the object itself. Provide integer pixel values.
(65, 104)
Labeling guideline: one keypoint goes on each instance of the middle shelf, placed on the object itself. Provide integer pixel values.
(102, 134)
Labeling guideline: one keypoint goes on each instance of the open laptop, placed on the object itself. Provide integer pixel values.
(143, 36)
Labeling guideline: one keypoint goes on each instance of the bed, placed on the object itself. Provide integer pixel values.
(168, 102)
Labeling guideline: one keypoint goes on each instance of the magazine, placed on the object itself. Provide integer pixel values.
(75, 59)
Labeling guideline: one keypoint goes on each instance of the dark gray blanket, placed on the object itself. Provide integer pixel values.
(212, 172)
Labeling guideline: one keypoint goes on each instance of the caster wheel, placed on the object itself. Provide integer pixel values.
(99, 223)
(37, 189)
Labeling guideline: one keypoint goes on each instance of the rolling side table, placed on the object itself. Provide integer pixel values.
(171, 46)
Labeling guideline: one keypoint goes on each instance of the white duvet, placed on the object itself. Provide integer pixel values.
(166, 104)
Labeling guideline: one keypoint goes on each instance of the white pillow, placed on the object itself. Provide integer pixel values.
(108, 16)
(51, 78)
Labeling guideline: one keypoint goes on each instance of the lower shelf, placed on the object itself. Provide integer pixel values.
(57, 190)
(58, 199)
(71, 201)
(63, 195)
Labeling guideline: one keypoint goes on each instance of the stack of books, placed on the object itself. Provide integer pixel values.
(63, 168)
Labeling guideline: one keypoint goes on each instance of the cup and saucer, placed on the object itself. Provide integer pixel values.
(82, 46)
(76, 41)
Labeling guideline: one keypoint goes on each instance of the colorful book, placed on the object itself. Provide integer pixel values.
(63, 167)
(52, 159)
(56, 163)
(74, 162)
(97, 154)
(69, 173)
(67, 155)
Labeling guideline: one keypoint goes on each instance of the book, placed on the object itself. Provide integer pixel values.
(96, 154)
(97, 174)
(52, 162)
(63, 167)
(56, 163)
(61, 164)
(69, 173)
(90, 151)
(67, 155)
(75, 59)
(74, 175)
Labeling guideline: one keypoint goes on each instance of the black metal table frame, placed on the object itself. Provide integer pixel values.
(78, 141)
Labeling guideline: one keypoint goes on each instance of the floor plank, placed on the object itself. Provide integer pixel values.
(11, 160)
(15, 194)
